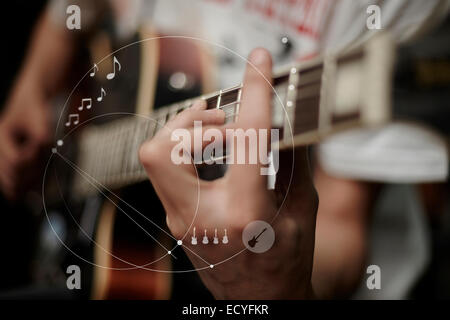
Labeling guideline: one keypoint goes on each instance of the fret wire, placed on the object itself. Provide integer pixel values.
(218, 99)
(99, 156)
(124, 157)
(111, 154)
(115, 153)
(231, 115)
(131, 146)
(228, 104)
(130, 150)
(238, 106)
(122, 148)
(100, 162)
(151, 128)
(140, 140)
(118, 152)
(94, 146)
(106, 155)
(161, 119)
(147, 128)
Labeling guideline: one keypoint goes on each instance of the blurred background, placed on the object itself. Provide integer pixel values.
(405, 231)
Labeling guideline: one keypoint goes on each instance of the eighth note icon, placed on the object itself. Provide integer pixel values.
(75, 117)
(92, 74)
(85, 103)
(102, 94)
(111, 75)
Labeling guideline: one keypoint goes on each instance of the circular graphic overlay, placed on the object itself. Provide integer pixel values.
(258, 236)
(259, 244)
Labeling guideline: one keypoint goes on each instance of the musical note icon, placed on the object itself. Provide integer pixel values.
(95, 70)
(102, 94)
(75, 117)
(85, 103)
(111, 75)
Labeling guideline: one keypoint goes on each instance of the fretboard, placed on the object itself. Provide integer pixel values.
(313, 99)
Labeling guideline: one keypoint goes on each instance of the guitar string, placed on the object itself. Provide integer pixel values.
(126, 203)
(133, 266)
(84, 174)
(162, 122)
(201, 258)
(198, 256)
(142, 215)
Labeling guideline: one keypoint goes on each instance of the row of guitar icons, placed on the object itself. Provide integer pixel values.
(205, 239)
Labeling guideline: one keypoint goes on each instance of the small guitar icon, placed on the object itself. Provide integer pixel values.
(216, 240)
(194, 239)
(225, 237)
(205, 239)
(252, 242)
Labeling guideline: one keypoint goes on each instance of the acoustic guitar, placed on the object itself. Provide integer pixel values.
(95, 179)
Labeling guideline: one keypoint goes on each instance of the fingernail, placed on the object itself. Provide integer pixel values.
(259, 56)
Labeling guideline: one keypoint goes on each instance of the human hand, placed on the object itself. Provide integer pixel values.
(24, 131)
(238, 198)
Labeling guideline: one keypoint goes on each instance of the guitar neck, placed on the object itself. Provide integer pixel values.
(312, 100)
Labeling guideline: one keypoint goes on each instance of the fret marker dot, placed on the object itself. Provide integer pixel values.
(169, 252)
(291, 87)
(289, 104)
(59, 143)
(179, 242)
(294, 70)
